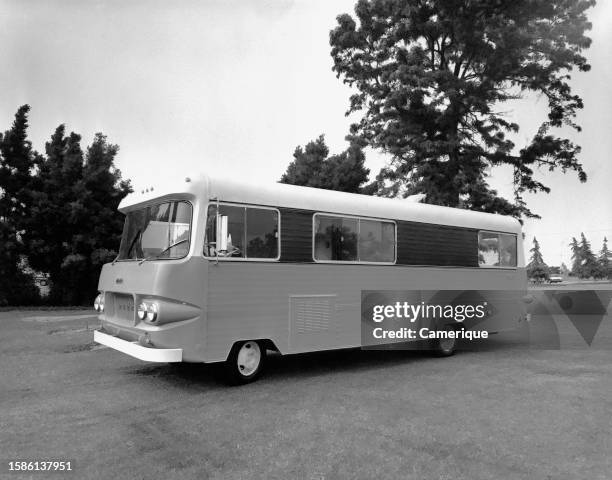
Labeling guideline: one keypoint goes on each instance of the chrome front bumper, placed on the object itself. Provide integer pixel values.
(134, 349)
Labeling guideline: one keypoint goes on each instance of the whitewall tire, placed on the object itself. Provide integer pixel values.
(245, 362)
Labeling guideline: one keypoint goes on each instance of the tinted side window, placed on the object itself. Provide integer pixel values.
(262, 233)
(252, 232)
(235, 231)
(507, 250)
(496, 249)
(335, 238)
(376, 241)
(353, 239)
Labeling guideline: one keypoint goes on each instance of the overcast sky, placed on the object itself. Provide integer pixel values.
(235, 86)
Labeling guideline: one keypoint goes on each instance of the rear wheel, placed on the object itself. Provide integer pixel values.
(444, 347)
(245, 362)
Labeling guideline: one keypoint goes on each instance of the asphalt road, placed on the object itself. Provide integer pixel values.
(507, 409)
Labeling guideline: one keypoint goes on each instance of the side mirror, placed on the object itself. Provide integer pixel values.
(221, 233)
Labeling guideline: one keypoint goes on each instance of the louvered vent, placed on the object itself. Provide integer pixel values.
(312, 314)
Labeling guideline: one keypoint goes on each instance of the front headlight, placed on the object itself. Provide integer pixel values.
(147, 311)
(160, 311)
(99, 303)
(141, 311)
(151, 312)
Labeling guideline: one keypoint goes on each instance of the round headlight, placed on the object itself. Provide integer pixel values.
(152, 312)
(141, 311)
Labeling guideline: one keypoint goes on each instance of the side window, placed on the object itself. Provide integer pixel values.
(251, 232)
(507, 250)
(262, 233)
(376, 241)
(496, 249)
(335, 238)
(235, 231)
(353, 240)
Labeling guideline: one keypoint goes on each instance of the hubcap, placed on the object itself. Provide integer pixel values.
(249, 357)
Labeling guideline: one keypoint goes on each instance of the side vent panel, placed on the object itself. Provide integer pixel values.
(311, 321)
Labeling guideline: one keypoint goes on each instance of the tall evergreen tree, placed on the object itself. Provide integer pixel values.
(57, 214)
(605, 260)
(576, 257)
(588, 266)
(313, 167)
(75, 226)
(307, 165)
(430, 77)
(537, 268)
(17, 160)
(104, 189)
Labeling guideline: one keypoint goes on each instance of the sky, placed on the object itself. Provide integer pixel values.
(232, 87)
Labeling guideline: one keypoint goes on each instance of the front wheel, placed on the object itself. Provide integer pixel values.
(245, 362)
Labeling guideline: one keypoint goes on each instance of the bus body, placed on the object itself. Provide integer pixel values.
(208, 264)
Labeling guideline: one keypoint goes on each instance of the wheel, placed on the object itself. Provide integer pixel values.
(245, 362)
(444, 347)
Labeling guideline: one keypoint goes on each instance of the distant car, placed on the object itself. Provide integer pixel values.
(555, 279)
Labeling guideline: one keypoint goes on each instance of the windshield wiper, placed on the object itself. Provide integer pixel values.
(131, 246)
(153, 257)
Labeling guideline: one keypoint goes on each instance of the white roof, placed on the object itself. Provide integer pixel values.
(204, 188)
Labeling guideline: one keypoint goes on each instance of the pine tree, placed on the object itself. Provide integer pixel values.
(307, 165)
(104, 190)
(313, 167)
(588, 266)
(75, 226)
(430, 79)
(576, 257)
(537, 269)
(17, 160)
(605, 260)
(57, 214)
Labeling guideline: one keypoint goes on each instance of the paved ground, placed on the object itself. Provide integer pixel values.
(504, 411)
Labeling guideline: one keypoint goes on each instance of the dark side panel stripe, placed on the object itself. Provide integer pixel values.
(440, 245)
(296, 235)
(418, 243)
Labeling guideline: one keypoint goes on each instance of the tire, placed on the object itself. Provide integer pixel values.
(245, 362)
(444, 347)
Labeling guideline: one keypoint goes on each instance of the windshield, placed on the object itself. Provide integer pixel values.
(159, 231)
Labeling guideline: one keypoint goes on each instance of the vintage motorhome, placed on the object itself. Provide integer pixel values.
(214, 270)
